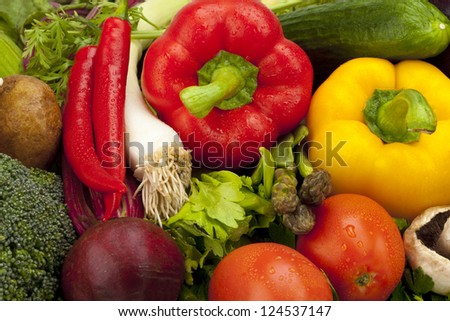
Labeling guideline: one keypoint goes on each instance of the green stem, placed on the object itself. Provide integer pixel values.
(74, 6)
(399, 115)
(254, 202)
(153, 34)
(283, 151)
(122, 10)
(304, 166)
(264, 172)
(225, 83)
(363, 280)
(290, 5)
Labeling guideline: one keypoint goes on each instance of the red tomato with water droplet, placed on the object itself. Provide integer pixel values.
(358, 245)
(268, 271)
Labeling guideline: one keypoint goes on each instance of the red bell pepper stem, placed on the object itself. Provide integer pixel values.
(231, 83)
(110, 70)
(78, 140)
(200, 100)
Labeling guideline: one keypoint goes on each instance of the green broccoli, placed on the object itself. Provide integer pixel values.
(35, 232)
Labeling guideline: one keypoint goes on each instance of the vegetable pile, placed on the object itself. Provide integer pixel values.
(224, 150)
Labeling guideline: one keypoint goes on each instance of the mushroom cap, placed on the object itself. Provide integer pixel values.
(420, 241)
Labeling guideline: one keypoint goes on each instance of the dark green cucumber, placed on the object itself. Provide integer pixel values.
(336, 31)
(442, 61)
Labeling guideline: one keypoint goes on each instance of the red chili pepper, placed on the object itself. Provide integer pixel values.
(78, 140)
(110, 77)
(227, 80)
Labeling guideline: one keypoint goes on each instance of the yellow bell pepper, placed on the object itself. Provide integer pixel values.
(406, 170)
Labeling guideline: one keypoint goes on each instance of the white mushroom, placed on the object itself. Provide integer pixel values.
(427, 245)
(443, 243)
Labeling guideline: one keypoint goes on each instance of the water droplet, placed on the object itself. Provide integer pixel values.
(360, 244)
(350, 229)
(271, 270)
(281, 278)
(261, 277)
(343, 246)
(292, 270)
(253, 271)
(278, 258)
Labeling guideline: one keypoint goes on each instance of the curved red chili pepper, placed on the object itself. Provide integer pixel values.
(228, 138)
(110, 70)
(78, 140)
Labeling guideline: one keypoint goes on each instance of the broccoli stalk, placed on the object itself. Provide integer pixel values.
(35, 232)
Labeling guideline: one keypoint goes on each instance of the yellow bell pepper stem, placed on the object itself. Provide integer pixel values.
(399, 115)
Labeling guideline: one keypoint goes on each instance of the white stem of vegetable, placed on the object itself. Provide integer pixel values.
(154, 150)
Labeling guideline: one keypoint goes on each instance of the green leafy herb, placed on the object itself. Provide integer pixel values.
(15, 13)
(52, 42)
(416, 286)
(223, 212)
(51, 45)
(401, 223)
(418, 281)
(219, 200)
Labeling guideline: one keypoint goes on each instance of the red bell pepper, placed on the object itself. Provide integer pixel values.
(225, 78)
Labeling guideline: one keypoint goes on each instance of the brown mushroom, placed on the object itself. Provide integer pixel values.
(427, 245)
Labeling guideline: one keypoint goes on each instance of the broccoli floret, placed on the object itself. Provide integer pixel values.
(35, 232)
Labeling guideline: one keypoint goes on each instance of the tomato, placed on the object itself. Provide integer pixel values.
(358, 245)
(267, 271)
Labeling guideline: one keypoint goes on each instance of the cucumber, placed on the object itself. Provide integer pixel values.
(442, 61)
(336, 31)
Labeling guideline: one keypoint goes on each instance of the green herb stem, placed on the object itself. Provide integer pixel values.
(151, 34)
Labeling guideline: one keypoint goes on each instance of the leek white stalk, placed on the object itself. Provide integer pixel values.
(154, 150)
